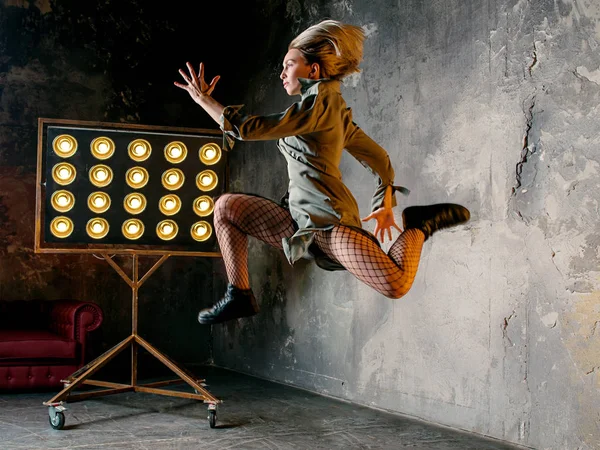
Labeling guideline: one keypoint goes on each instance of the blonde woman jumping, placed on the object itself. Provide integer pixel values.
(319, 217)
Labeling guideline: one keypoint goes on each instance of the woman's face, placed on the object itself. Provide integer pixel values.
(294, 67)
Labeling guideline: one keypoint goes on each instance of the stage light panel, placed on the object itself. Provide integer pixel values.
(204, 206)
(175, 152)
(121, 194)
(201, 231)
(210, 154)
(135, 203)
(64, 145)
(102, 147)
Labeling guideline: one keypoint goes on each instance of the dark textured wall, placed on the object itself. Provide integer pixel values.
(112, 61)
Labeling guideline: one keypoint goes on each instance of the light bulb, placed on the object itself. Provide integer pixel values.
(139, 149)
(102, 147)
(210, 153)
(101, 175)
(64, 173)
(61, 226)
(200, 230)
(167, 229)
(204, 205)
(62, 200)
(206, 179)
(175, 152)
(137, 177)
(169, 204)
(133, 228)
(65, 146)
(173, 178)
(99, 202)
(97, 227)
(135, 202)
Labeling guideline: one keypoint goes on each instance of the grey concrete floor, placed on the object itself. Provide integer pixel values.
(255, 414)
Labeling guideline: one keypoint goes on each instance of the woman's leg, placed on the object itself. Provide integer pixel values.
(390, 274)
(238, 216)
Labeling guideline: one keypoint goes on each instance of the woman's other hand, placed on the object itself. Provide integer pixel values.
(385, 222)
(195, 84)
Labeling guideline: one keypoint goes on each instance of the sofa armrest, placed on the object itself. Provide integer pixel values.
(73, 319)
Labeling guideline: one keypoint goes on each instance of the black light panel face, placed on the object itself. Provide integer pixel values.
(129, 188)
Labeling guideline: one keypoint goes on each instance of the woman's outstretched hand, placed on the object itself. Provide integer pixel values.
(195, 84)
(385, 222)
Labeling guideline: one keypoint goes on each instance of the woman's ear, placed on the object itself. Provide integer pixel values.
(315, 71)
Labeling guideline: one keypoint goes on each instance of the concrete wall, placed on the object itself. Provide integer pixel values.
(493, 105)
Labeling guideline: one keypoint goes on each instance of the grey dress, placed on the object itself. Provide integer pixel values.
(312, 134)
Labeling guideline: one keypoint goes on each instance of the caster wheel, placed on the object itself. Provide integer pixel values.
(58, 421)
(212, 418)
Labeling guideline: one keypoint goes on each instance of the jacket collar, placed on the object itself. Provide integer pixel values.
(309, 86)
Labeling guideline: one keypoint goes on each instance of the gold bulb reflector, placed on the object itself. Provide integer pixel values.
(61, 227)
(64, 145)
(102, 147)
(62, 201)
(210, 154)
(132, 228)
(172, 179)
(134, 203)
(139, 150)
(175, 152)
(167, 229)
(137, 177)
(101, 175)
(169, 204)
(206, 180)
(98, 202)
(64, 173)
(201, 231)
(204, 206)
(97, 228)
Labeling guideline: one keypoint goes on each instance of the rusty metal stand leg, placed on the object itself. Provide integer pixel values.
(56, 403)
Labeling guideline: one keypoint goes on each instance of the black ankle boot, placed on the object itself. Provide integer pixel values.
(431, 218)
(235, 303)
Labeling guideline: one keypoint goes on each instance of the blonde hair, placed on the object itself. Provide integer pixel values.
(335, 46)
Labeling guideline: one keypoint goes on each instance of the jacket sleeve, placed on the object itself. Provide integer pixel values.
(372, 156)
(300, 118)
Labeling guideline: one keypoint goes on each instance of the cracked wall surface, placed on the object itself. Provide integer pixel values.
(494, 105)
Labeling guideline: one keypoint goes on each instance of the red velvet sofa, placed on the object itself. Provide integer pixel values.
(44, 341)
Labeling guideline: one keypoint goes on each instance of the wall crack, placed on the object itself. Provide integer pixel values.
(528, 149)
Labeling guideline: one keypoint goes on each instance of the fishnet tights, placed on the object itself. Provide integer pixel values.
(238, 216)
